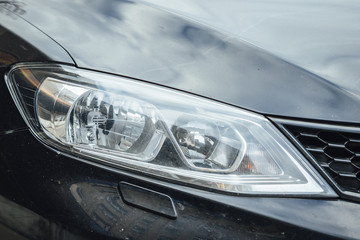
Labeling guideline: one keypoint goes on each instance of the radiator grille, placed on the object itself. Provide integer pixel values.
(337, 152)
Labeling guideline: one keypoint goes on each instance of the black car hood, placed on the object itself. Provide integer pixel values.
(298, 59)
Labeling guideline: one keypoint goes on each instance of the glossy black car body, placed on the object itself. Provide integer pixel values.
(302, 69)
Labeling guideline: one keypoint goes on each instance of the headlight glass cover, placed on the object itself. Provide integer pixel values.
(130, 124)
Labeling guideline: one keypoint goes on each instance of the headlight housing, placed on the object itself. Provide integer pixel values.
(159, 131)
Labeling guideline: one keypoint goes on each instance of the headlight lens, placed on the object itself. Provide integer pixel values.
(154, 130)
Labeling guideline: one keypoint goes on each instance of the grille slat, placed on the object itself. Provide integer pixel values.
(337, 152)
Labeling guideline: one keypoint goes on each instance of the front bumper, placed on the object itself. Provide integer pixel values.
(83, 201)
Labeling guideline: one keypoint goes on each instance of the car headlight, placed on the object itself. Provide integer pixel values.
(158, 131)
